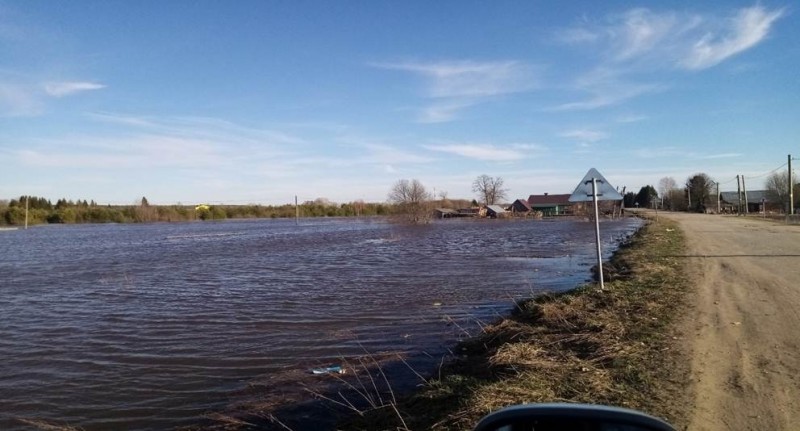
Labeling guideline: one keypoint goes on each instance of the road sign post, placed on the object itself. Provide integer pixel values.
(600, 190)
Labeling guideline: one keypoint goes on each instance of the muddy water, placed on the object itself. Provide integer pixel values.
(151, 326)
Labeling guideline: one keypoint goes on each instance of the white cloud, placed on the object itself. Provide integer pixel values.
(442, 112)
(470, 78)
(585, 136)
(662, 152)
(688, 41)
(672, 152)
(721, 156)
(200, 128)
(457, 85)
(631, 118)
(640, 31)
(607, 87)
(479, 152)
(745, 30)
(61, 89)
(138, 152)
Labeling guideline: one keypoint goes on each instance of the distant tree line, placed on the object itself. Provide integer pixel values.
(41, 210)
(699, 193)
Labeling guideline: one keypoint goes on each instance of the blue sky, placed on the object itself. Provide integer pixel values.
(258, 101)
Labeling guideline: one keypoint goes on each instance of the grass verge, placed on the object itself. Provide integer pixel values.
(622, 346)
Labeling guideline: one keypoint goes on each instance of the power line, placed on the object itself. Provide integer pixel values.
(768, 173)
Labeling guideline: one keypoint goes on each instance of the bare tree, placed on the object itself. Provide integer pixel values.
(665, 186)
(489, 189)
(412, 201)
(777, 186)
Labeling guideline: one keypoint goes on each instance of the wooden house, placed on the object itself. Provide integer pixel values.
(495, 211)
(551, 205)
(520, 207)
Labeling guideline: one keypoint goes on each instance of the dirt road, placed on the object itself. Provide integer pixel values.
(746, 327)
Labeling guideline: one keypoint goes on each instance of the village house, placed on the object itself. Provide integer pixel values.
(551, 205)
(495, 211)
(520, 206)
(757, 201)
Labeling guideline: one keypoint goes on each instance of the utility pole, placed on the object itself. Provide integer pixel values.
(791, 188)
(739, 196)
(744, 191)
(296, 212)
(27, 198)
(689, 190)
(718, 208)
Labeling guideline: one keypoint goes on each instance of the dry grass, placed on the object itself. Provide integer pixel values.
(616, 347)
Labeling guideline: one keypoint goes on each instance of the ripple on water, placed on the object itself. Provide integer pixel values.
(150, 326)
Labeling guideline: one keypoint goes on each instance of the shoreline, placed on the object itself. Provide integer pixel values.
(622, 347)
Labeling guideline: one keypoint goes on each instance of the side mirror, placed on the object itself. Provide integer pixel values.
(570, 417)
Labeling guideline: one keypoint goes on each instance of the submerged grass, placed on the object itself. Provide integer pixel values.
(621, 346)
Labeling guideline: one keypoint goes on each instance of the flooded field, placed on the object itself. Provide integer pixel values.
(151, 326)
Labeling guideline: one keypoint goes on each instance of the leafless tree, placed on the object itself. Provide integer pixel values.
(412, 201)
(489, 189)
(665, 186)
(777, 186)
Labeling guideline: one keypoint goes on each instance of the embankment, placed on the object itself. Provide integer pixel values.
(622, 346)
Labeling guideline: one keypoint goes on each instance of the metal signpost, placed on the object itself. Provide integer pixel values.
(594, 187)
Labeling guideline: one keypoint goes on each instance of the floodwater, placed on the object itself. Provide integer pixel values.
(152, 326)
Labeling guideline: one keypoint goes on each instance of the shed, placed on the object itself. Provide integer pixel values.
(520, 206)
(495, 211)
(468, 212)
(444, 213)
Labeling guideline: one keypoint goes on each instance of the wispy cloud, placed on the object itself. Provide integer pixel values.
(18, 101)
(200, 128)
(721, 156)
(630, 48)
(745, 30)
(137, 152)
(662, 152)
(469, 78)
(606, 87)
(444, 112)
(584, 135)
(640, 32)
(460, 84)
(631, 118)
(487, 152)
(673, 152)
(61, 89)
(644, 38)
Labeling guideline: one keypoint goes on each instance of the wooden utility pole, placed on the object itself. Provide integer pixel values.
(27, 198)
(739, 196)
(718, 208)
(689, 190)
(744, 191)
(791, 188)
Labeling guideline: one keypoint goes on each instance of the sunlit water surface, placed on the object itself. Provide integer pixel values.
(151, 326)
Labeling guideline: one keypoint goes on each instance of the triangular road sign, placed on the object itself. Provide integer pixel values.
(605, 191)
